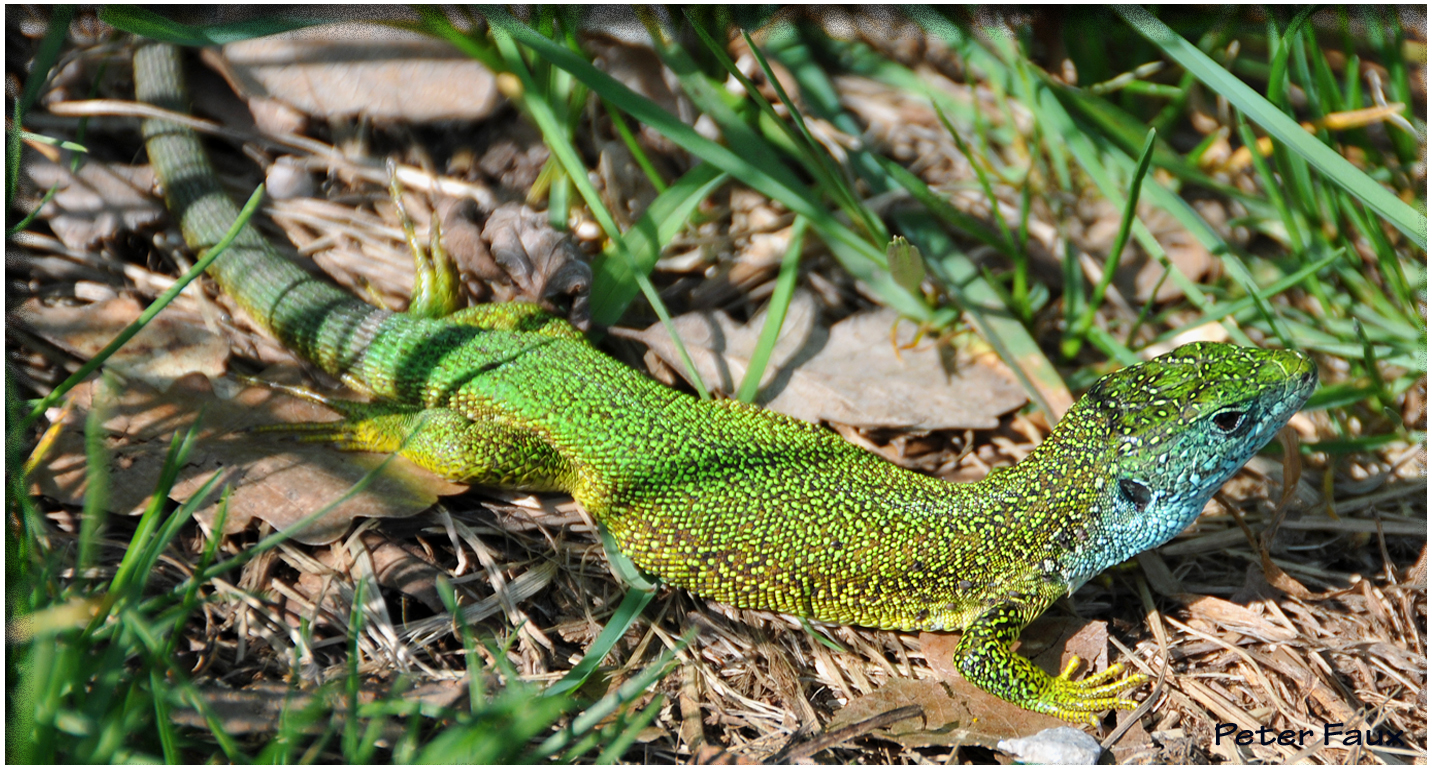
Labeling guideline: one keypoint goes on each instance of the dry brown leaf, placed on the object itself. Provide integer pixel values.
(275, 479)
(169, 347)
(1059, 638)
(344, 70)
(956, 714)
(95, 203)
(849, 374)
(545, 263)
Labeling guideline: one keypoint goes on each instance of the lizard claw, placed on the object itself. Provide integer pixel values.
(1079, 701)
(297, 391)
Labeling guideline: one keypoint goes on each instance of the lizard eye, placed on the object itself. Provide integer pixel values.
(1136, 493)
(1231, 421)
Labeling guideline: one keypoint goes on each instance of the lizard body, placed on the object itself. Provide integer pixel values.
(750, 507)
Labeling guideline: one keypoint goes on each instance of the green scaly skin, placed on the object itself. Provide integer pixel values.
(750, 507)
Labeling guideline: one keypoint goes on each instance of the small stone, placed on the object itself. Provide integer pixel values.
(1055, 746)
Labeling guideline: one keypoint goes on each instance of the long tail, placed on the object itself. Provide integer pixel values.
(311, 317)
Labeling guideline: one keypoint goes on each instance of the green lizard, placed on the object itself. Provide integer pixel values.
(750, 507)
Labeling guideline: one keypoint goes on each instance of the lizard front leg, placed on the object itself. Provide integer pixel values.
(984, 658)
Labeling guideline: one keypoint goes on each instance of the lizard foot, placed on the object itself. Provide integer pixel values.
(360, 428)
(1079, 701)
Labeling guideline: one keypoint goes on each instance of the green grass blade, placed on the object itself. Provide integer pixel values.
(617, 625)
(997, 323)
(63, 144)
(1282, 128)
(775, 315)
(1225, 310)
(1127, 133)
(145, 23)
(23, 570)
(1311, 88)
(353, 681)
(1369, 365)
(167, 738)
(1390, 266)
(606, 706)
(1094, 156)
(1272, 187)
(613, 284)
(1111, 262)
(965, 223)
(166, 534)
(1327, 85)
(179, 448)
(476, 696)
(634, 147)
(1095, 160)
(983, 178)
(1278, 67)
(618, 745)
(829, 175)
(191, 591)
(797, 144)
(34, 214)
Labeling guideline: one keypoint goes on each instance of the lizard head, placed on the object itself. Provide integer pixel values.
(1167, 433)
